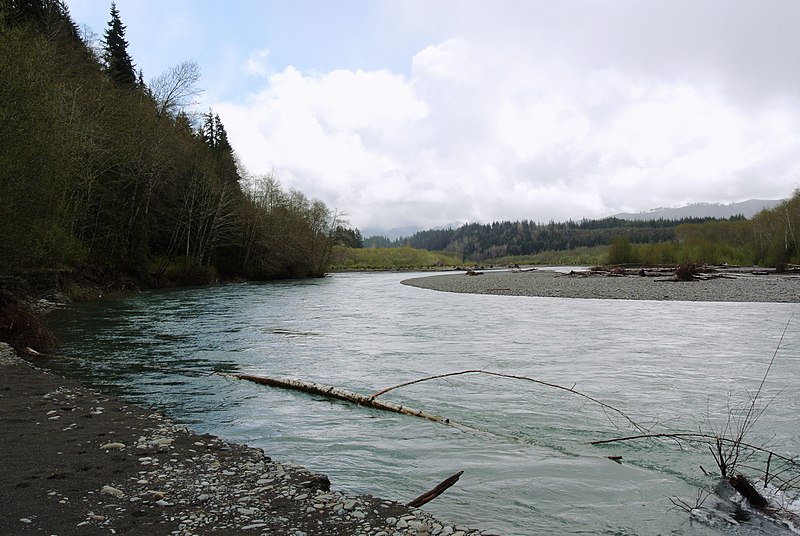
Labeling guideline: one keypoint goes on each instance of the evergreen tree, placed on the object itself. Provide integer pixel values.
(208, 130)
(216, 137)
(119, 65)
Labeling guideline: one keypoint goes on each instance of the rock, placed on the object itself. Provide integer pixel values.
(25, 520)
(162, 502)
(113, 446)
(110, 490)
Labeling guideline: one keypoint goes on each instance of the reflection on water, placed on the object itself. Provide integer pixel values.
(530, 469)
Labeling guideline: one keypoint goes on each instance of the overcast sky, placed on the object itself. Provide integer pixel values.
(425, 113)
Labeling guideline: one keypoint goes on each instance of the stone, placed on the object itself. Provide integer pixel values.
(110, 490)
(254, 526)
(113, 446)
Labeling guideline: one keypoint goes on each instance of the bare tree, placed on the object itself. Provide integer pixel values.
(176, 89)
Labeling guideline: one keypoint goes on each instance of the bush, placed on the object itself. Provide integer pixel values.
(621, 251)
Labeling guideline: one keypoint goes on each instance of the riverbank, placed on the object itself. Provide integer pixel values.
(726, 287)
(78, 462)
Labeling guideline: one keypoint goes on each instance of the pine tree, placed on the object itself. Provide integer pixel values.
(214, 134)
(208, 130)
(119, 65)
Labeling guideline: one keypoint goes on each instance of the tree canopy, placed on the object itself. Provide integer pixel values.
(100, 172)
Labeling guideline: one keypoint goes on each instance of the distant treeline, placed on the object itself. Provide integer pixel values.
(770, 238)
(480, 242)
(100, 169)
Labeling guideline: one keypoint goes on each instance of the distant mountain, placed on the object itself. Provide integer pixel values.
(748, 209)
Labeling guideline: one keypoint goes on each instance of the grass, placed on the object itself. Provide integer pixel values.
(406, 258)
(583, 256)
(353, 259)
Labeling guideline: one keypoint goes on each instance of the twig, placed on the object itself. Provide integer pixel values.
(698, 437)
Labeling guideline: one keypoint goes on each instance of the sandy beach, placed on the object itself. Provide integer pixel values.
(734, 286)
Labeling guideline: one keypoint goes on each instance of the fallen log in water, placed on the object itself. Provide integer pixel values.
(340, 394)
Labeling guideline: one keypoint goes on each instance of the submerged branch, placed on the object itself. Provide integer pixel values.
(606, 407)
(698, 437)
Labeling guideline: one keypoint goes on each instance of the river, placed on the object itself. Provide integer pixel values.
(529, 467)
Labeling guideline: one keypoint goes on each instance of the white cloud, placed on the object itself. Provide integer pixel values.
(483, 130)
(258, 63)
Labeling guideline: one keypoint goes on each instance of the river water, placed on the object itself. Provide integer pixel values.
(529, 467)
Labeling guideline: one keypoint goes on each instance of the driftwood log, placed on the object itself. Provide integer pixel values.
(341, 394)
(435, 492)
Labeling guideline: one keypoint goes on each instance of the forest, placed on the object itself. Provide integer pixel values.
(481, 242)
(105, 173)
(767, 239)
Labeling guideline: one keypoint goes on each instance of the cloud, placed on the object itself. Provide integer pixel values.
(540, 125)
(258, 63)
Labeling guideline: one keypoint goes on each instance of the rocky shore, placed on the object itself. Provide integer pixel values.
(730, 286)
(78, 462)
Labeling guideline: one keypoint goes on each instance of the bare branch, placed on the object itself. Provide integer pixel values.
(602, 404)
(176, 89)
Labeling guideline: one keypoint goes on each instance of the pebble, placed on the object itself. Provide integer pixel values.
(739, 287)
(226, 487)
(110, 490)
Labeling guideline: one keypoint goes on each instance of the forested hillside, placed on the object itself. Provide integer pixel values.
(479, 242)
(770, 238)
(102, 171)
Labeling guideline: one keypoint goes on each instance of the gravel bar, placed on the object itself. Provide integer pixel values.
(76, 461)
(729, 287)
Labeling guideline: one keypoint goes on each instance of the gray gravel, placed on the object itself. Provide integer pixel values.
(730, 287)
(76, 461)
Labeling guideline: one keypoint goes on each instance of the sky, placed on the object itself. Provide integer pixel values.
(426, 113)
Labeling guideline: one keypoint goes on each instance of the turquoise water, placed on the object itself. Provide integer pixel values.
(529, 467)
